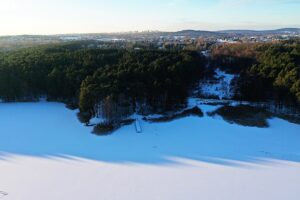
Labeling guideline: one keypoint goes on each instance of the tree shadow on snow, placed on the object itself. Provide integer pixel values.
(49, 130)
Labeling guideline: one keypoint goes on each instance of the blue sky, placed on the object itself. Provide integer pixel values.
(87, 16)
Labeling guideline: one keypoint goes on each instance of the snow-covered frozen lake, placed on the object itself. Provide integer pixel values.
(45, 153)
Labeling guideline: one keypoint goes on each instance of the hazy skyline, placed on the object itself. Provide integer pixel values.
(92, 16)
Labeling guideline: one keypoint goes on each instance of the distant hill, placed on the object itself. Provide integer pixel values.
(203, 33)
(197, 33)
(263, 32)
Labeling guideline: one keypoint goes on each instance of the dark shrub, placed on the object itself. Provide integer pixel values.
(243, 115)
(104, 129)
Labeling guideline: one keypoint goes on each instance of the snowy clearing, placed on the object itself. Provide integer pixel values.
(45, 153)
(220, 87)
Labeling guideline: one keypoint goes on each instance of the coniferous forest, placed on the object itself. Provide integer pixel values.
(114, 83)
(267, 71)
(111, 82)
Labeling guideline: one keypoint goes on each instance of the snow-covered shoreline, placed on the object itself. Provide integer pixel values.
(46, 153)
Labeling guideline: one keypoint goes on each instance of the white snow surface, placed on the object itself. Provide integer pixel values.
(221, 87)
(46, 154)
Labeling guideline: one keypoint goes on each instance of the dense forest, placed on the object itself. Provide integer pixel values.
(267, 71)
(111, 83)
(115, 83)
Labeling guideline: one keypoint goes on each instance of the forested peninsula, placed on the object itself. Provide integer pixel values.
(115, 83)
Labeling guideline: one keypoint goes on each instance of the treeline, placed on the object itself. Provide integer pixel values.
(272, 74)
(235, 58)
(147, 81)
(276, 76)
(55, 72)
(111, 82)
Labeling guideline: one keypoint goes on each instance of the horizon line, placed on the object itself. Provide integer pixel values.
(145, 31)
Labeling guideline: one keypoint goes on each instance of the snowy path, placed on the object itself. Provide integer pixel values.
(55, 157)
